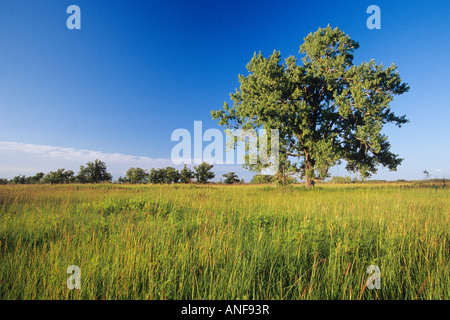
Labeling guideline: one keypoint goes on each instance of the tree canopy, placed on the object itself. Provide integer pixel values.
(94, 172)
(186, 175)
(136, 175)
(59, 176)
(231, 178)
(203, 172)
(326, 109)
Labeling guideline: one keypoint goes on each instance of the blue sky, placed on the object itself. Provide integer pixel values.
(138, 70)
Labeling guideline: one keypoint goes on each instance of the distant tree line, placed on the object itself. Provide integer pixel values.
(92, 172)
(96, 172)
(201, 173)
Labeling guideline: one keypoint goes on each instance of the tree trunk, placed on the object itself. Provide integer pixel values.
(309, 171)
(309, 183)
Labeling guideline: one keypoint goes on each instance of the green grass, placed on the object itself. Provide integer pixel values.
(224, 242)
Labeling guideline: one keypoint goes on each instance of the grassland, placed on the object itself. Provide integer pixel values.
(224, 242)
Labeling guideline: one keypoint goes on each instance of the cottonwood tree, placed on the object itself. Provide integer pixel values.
(230, 178)
(136, 175)
(94, 172)
(203, 172)
(186, 175)
(59, 176)
(172, 175)
(326, 109)
(157, 176)
(37, 178)
(20, 179)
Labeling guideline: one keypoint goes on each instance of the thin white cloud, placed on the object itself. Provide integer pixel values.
(69, 153)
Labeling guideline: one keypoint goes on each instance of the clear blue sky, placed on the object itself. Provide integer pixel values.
(137, 70)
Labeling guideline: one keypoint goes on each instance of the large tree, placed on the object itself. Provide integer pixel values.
(231, 178)
(59, 176)
(172, 175)
(157, 176)
(94, 172)
(136, 175)
(326, 109)
(203, 172)
(186, 175)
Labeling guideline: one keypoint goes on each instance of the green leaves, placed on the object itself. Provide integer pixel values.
(203, 172)
(328, 52)
(326, 109)
(230, 178)
(136, 175)
(94, 172)
(59, 176)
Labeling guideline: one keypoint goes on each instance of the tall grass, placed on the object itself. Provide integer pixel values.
(224, 242)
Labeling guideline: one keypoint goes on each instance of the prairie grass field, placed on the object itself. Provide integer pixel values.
(224, 242)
